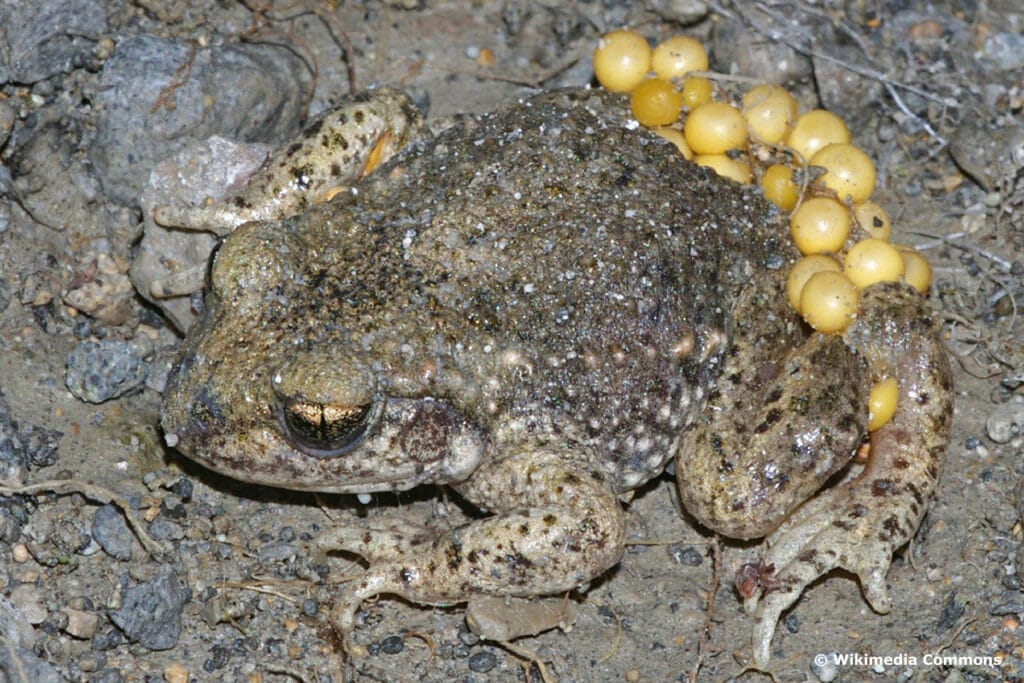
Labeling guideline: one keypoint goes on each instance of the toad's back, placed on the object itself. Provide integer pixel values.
(548, 273)
(563, 269)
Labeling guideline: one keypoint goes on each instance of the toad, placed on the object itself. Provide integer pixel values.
(540, 308)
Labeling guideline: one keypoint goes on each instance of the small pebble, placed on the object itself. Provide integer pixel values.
(633, 675)
(81, 624)
(182, 488)
(824, 667)
(467, 636)
(1010, 602)
(107, 640)
(683, 12)
(20, 553)
(276, 551)
(112, 533)
(100, 371)
(28, 599)
(150, 613)
(392, 645)
(482, 662)
(176, 673)
(685, 555)
(1005, 422)
(165, 530)
(1005, 50)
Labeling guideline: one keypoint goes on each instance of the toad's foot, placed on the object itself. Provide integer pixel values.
(859, 524)
(555, 528)
(334, 150)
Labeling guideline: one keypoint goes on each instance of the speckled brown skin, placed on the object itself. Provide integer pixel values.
(532, 308)
(799, 398)
(331, 152)
(858, 524)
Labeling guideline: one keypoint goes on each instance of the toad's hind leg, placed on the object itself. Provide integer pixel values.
(786, 413)
(859, 524)
(554, 528)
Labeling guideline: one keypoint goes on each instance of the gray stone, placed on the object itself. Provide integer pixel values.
(161, 529)
(846, 93)
(1004, 50)
(243, 92)
(150, 614)
(989, 150)
(7, 116)
(112, 532)
(277, 551)
(735, 48)
(45, 37)
(1005, 422)
(20, 664)
(683, 12)
(100, 371)
(14, 625)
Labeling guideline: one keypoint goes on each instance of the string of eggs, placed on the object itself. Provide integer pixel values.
(843, 235)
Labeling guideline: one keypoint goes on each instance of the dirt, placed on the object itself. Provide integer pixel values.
(253, 603)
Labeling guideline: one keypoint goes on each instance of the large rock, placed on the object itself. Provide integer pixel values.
(157, 96)
(43, 37)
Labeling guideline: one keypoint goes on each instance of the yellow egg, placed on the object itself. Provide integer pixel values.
(696, 91)
(849, 172)
(677, 56)
(819, 224)
(779, 186)
(917, 271)
(676, 138)
(882, 402)
(655, 103)
(828, 301)
(873, 219)
(872, 260)
(725, 166)
(769, 111)
(621, 60)
(814, 130)
(802, 272)
(715, 128)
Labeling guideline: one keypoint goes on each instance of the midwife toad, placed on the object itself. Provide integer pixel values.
(540, 308)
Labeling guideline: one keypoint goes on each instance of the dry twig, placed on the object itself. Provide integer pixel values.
(63, 487)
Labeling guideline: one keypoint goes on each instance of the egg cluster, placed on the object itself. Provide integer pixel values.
(805, 163)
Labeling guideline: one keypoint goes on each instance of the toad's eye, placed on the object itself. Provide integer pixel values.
(326, 430)
(327, 400)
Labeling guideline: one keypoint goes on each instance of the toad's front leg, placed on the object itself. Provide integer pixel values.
(555, 527)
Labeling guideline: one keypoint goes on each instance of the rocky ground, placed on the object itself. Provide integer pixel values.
(214, 583)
